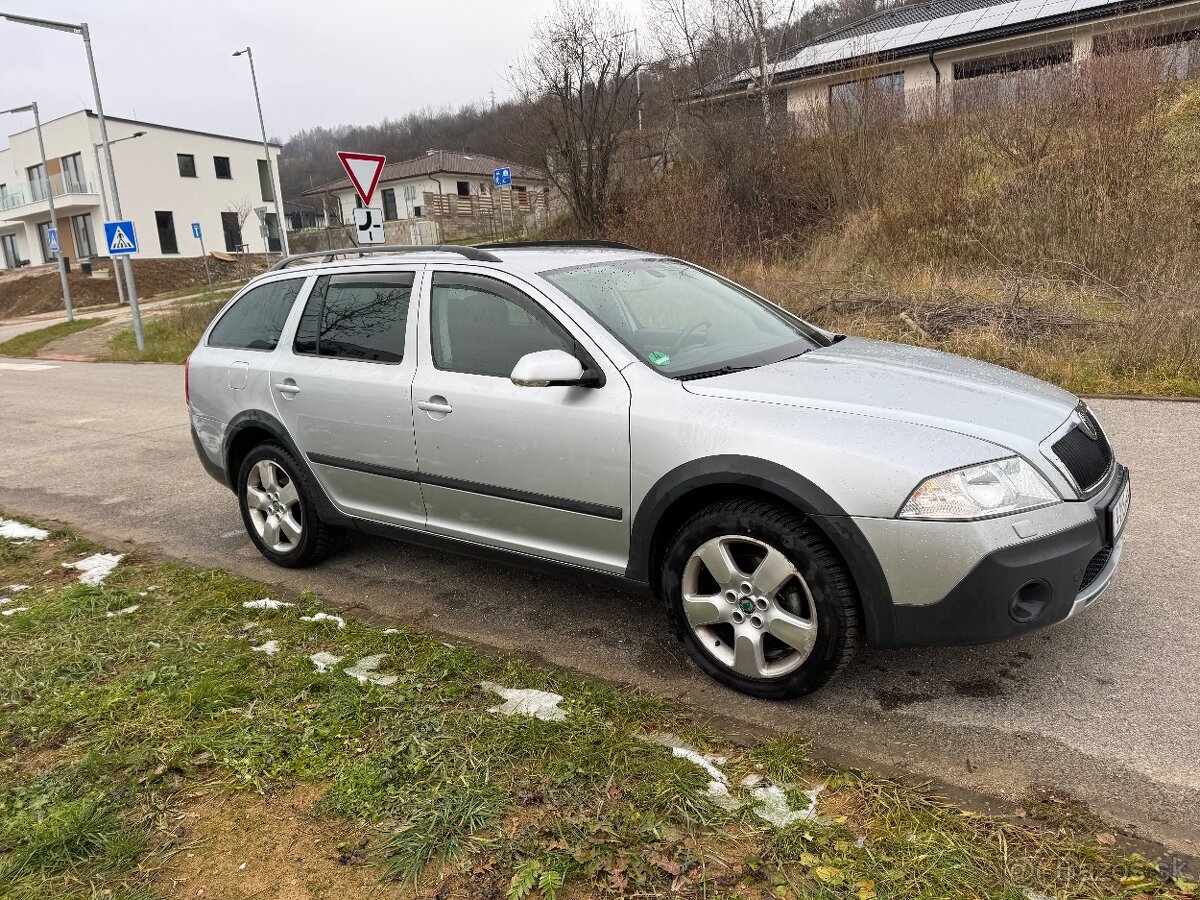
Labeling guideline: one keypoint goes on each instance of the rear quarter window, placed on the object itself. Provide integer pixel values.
(256, 321)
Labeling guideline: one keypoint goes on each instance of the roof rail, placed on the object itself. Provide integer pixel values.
(472, 253)
(518, 245)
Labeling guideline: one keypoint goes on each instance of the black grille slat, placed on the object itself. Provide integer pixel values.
(1087, 460)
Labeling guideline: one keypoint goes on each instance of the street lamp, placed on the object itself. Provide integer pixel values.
(82, 30)
(283, 245)
(104, 202)
(637, 72)
(62, 265)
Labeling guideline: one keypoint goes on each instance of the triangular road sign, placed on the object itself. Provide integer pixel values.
(364, 170)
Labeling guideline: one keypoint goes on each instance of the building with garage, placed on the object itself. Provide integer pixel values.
(442, 195)
(168, 178)
(900, 60)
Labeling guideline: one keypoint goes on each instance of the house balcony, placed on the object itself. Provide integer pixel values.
(71, 196)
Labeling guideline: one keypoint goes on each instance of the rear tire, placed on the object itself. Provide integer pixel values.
(279, 510)
(760, 599)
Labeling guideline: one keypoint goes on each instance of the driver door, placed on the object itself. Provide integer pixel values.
(543, 470)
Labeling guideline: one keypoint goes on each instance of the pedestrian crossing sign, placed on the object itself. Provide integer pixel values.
(120, 237)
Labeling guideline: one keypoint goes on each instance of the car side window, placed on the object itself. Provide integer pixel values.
(256, 321)
(357, 316)
(483, 326)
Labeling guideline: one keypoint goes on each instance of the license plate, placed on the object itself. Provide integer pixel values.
(1119, 511)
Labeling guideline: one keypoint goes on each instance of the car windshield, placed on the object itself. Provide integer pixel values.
(681, 320)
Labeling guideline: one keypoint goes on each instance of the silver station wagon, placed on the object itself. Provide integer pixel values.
(786, 491)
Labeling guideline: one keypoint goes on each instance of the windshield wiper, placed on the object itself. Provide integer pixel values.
(711, 373)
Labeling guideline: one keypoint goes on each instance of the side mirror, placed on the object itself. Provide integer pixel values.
(547, 368)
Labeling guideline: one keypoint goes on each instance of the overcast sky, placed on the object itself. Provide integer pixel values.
(319, 63)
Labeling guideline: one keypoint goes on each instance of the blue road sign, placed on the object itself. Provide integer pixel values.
(52, 239)
(196, 231)
(502, 177)
(120, 237)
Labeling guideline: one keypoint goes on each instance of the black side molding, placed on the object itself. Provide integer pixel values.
(474, 487)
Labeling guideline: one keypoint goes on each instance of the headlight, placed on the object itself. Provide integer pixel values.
(991, 489)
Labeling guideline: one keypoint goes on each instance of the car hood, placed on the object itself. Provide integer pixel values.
(905, 383)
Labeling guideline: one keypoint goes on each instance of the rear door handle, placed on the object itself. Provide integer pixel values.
(288, 388)
(435, 404)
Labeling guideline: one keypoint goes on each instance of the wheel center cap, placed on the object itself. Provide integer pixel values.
(747, 606)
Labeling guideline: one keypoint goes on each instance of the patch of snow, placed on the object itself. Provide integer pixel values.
(154, 645)
(4, 601)
(127, 611)
(266, 603)
(96, 568)
(718, 784)
(526, 702)
(1031, 894)
(771, 804)
(325, 617)
(270, 648)
(367, 669)
(17, 588)
(19, 531)
(324, 661)
(14, 610)
(391, 631)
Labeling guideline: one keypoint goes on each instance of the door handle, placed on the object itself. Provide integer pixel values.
(288, 388)
(435, 404)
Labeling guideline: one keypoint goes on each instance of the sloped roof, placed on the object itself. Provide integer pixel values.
(934, 25)
(449, 162)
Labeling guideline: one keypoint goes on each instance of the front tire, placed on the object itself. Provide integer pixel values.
(279, 511)
(760, 600)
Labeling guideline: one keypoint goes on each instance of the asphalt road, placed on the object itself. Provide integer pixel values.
(1105, 706)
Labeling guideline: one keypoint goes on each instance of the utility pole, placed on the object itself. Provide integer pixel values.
(62, 265)
(283, 245)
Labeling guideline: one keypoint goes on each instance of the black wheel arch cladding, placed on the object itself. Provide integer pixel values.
(785, 485)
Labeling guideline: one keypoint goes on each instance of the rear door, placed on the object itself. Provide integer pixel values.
(343, 389)
(543, 470)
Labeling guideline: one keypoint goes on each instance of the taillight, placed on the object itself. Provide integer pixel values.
(187, 389)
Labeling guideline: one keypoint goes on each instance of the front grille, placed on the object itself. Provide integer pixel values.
(1086, 459)
(1095, 567)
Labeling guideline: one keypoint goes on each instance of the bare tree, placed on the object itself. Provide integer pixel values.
(718, 42)
(242, 209)
(577, 81)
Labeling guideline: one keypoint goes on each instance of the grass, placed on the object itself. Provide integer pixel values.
(115, 731)
(29, 343)
(170, 338)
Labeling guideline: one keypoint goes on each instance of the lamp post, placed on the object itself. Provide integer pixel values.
(104, 203)
(62, 265)
(283, 245)
(82, 30)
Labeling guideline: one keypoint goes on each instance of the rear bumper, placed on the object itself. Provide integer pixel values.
(1017, 588)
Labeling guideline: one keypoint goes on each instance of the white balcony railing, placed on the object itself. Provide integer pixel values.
(38, 190)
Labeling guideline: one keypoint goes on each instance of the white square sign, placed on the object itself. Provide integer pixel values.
(368, 223)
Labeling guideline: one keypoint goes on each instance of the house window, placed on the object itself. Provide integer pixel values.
(74, 178)
(166, 232)
(1019, 61)
(232, 227)
(81, 230)
(8, 244)
(464, 189)
(854, 104)
(44, 241)
(418, 212)
(221, 166)
(389, 205)
(1178, 52)
(187, 165)
(264, 181)
(1003, 79)
(39, 188)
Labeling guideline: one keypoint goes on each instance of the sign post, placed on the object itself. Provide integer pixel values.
(199, 235)
(503, 179)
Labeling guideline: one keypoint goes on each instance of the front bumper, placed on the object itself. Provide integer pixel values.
(946, 591)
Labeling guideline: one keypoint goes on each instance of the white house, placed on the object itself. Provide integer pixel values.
(905, 55)
(408, 188)
(168, 178)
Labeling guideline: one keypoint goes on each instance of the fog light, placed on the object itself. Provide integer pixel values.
(1029, 602)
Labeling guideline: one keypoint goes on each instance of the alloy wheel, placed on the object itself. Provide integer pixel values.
(749, 607)
(273, 501)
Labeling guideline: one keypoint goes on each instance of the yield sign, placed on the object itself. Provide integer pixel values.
(363, 169)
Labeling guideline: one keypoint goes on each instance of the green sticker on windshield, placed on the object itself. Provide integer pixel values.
(659, 358)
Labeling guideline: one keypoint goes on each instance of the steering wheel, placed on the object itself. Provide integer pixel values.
(682, 340)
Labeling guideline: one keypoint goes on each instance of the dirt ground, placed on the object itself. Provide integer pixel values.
(234, 847)
(27, 291)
